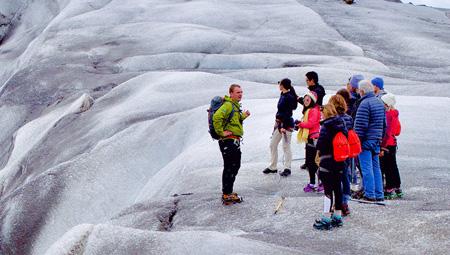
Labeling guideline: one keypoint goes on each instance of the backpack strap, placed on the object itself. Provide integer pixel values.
(230, 116)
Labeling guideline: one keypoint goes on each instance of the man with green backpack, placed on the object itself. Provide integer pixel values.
(227, 125)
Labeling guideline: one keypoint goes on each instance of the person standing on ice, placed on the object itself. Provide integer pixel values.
(330, 169)
(388, 154)
(352, 87)
(312, 82)
(230, 133)
(369, 125)
(378, 87)
(340, 104)
(308, 133)
(284, 125)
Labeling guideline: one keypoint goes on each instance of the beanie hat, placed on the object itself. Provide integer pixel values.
(312, 95)
(377, 81)
(388, 99)
(355, 79)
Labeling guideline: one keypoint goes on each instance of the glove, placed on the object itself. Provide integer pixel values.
(296, 127)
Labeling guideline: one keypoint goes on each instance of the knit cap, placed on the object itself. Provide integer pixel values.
(355, 79)
(388, 99)
(312, 95)
(377, 81)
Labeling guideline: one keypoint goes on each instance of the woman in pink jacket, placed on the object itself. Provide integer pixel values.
(308, 133)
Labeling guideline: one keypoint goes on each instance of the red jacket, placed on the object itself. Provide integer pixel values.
(313, 122)
(392, 129)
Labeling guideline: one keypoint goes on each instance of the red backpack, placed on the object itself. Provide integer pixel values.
(341, 147)
(354, 143)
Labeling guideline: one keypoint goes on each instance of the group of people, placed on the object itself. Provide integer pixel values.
(363, 106)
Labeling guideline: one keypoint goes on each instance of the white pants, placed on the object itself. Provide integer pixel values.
(276, 138)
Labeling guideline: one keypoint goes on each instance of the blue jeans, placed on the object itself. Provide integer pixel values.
(346, 181)
(370, 168)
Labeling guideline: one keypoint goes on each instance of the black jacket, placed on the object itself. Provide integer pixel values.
(320, 91)
(330, 127)
(286, 105)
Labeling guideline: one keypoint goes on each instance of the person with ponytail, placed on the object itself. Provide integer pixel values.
(283, 128)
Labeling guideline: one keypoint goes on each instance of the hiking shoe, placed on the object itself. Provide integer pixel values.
(309, 188)
(303, 167)
(345, 210)
(389, 194)
(232, 198)
(358, 194)
(286, 172)
(320, 188)
(323, 224)
(336, 221)
(268, 171)
(398, 193)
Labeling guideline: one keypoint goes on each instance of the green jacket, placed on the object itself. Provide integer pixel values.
(221, 116)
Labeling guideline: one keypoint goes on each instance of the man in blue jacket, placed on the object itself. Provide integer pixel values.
(369, 125)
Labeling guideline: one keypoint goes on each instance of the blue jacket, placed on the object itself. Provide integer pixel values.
(330, 127)
(286, 104)
(370, 120)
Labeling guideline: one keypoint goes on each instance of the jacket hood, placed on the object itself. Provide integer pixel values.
(336, 123)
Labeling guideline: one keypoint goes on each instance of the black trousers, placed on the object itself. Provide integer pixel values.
(310, 160)
(231, 154)
(332, 188)
(389, 169)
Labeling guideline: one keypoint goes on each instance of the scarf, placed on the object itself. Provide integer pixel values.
(303, 133)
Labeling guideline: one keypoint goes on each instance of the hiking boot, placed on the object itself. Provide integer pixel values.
(345, 210)
(320, 188)
(398, 193)
(336, 221)
(268, 171)
(389, 194)
(286, 172)
(303, 167)
(232, 198)
(323, 224)
(309, 188)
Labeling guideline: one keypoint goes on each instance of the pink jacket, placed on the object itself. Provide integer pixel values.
(392, 129)
(313, 122)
